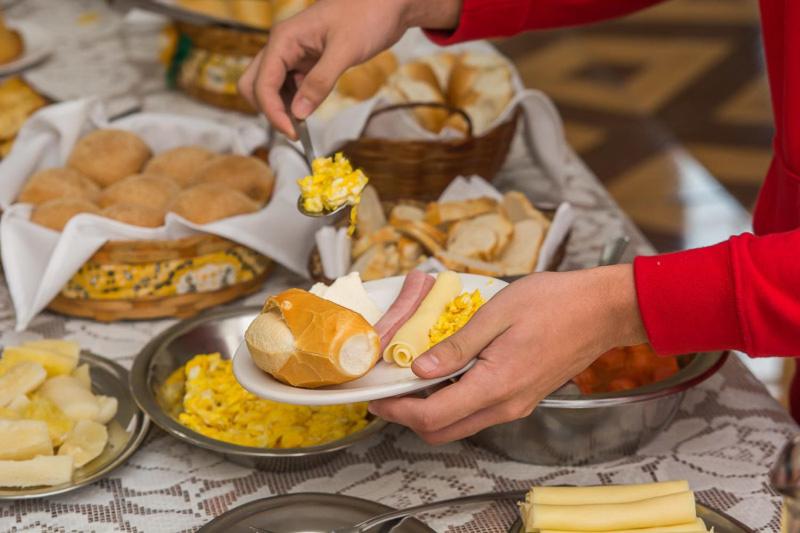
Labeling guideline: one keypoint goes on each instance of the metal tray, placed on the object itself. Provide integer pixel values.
(125, 432)
(305, 512)
(219, 331)
(721, 522)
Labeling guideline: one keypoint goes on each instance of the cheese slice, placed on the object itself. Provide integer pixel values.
(604, 493)
(698, 526)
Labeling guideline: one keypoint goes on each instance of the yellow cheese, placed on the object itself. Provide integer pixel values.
(698, 526)
(604, 493)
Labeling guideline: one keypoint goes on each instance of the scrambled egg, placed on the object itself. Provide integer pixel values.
(215, 405)
(333, 182)
(456, 314)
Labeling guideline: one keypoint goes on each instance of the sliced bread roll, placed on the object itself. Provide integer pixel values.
(522, 253)
(481, 85)
(306, 341)
(404, 213)
(481, 237)
(370, 212)
(438, 213)
(416, 82)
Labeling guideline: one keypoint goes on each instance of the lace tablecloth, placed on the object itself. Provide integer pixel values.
(724, 439)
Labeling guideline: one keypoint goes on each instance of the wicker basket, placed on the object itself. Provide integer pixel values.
(210, 60)
(423, 169)
(157, 279)
(315, 260)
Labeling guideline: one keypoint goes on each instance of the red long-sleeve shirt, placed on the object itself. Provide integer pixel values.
(743, 293)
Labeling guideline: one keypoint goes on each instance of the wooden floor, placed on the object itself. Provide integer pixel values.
(670, 108)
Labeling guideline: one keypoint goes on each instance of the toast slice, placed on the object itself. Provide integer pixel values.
(438, 213)
(522, 253)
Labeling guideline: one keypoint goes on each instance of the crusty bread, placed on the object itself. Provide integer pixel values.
(181, 164)
(248, 175)
(517, 207)
(522, 252)
(404, 212)
(108, 155)
(55, 183)
(11, 43)
(256, 13)
(416, 82)
(149, 190)
(55, 214)
(207, 202)
(371, 217)
(385, 235)
(363, 81)
(437, 213)
(459, 263)
(472, 240)
(441, 64)
(135, 215)
(306, 341)
(284, 9)
(428, 236)
(481, 85)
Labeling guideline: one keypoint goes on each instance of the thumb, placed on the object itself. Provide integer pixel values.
(318, 83)
(457, 350)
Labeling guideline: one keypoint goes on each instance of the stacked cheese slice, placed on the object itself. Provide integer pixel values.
(663, 507)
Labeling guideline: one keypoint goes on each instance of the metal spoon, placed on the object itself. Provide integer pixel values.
(288, 90)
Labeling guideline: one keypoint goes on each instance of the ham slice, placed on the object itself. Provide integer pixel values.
(415, 288)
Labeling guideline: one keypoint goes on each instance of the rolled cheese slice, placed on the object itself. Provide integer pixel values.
(669, 510)
(698, 526)
(411, 340)
(306, 341)
(604, 493)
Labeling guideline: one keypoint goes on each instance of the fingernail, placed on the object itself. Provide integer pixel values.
(427, 363)
(302, 108)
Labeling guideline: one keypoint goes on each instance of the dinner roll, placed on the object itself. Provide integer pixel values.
(363, 81)
(207, 202)
(150, 190)
(246, 174)
(416, 82)
(57, 183)
(107, 156)
(135, 215)
(481, 85)
(55, 214)
(180, 164)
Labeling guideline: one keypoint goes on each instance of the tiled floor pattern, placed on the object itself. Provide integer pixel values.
(670, 107)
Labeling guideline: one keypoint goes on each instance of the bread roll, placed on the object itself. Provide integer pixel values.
(365, 80)
(11, 43)
(149, 190)
(256, 13)
(522, 252)
(106, 156)
(481, 85)
(55, 183)
(248, 175)
(437, 213)
(283, 9)
(416, 82)
(208, 202)
(306, 341)
(55, 214)
(135, 215)
(181, 164)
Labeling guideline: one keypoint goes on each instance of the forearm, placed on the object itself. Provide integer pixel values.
(433, 14)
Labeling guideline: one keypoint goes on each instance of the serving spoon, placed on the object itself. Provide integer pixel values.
(287, 92)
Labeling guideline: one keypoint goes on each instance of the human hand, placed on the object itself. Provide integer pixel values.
(529, 339)
(321, 42)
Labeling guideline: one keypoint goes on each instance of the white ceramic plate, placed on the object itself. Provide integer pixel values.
(37, 47)
(383, 381)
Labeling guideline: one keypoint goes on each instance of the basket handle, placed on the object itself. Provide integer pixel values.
(412, 105)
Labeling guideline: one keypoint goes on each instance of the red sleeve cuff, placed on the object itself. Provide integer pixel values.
(687, 300)
(481, 19)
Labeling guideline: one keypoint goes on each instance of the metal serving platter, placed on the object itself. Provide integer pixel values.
(126, 431)
(718, 520)
(218, 331)
(571, 428)
(305, 512)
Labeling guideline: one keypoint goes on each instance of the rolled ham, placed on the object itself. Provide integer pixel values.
(415, 287)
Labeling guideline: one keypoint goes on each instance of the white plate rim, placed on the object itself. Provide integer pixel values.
(264, 386)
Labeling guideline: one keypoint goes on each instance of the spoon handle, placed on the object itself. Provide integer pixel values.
(288, 90)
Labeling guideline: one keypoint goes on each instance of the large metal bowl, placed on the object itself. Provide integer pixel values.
(571, 428)
(218, 331)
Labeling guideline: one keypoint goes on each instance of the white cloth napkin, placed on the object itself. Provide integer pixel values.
(38, 261)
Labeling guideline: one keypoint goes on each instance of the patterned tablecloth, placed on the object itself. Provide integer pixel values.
(724, 439)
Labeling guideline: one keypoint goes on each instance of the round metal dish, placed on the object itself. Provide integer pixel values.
(305, 512)
(571, 428)
(125, 432)
(218, 331)
(719, 521)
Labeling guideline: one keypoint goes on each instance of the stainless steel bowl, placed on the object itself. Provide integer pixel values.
(570, 428)
(218, 331)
